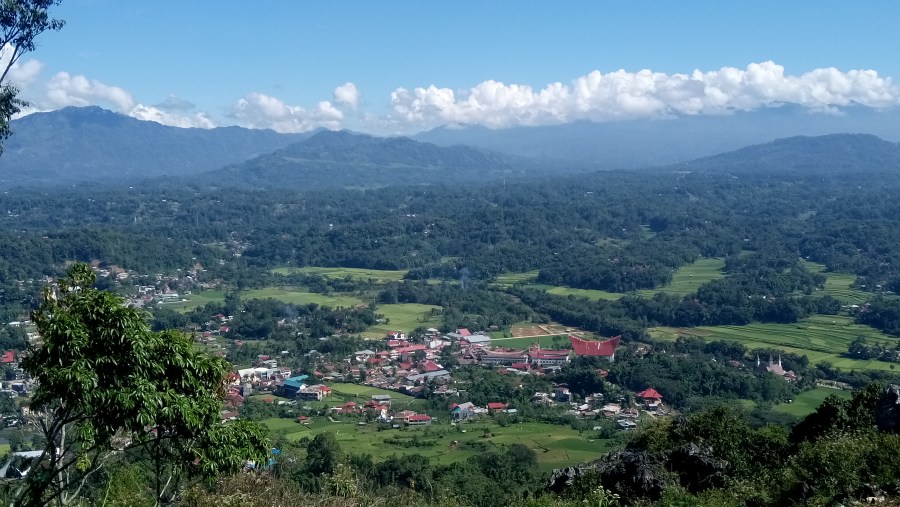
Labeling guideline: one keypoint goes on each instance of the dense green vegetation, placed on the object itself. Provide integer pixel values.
(700, 272)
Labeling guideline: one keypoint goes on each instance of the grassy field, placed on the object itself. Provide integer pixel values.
(821, 338)
(196, 299)
(403, 317)
(684, 281)
(687, 279)
(366, 392)
(837, 285)
(354, 273)
(808, 401)
(299, 296)
(293, 295)
(556, 446)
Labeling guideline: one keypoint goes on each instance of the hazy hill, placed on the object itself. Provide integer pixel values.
(79, 144)
(645, 143)
(345, 159)
(829, 153)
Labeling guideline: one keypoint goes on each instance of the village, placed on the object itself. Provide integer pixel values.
(415, 370)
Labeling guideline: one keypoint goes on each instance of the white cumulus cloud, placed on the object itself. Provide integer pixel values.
(623, 95)
(152, 113)
(258, 110)
(65, 89)
(21, 73)
(347, 94)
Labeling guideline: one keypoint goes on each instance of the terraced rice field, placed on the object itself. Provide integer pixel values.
(684, 281)
(687, 279)
(379, 275)
(837, 285)
(821, 338)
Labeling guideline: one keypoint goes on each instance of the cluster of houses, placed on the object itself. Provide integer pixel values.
(408, 367)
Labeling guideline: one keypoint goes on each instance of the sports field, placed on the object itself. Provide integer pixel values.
(403, 317)
(556, 446)
(820, 338)
(807, 402)
(379, 275)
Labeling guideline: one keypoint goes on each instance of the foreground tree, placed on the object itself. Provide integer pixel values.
(21, 21)
(107, 384)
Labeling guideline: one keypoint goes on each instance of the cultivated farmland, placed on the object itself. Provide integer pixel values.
(379, 275)
(820, 338)
(556, 446)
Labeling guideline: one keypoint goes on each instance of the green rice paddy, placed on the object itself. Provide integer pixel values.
(684, 281)
(556, 446)
(837, 285)
(820, 338)
(378, 275)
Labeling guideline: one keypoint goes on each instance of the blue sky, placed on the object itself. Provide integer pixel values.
(278, 64)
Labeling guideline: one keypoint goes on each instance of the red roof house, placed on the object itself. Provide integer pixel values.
(430, 366)
(605, 348)
(496, 405)
(411, 348)
(463, 332)
(418, 419)
(8, 357)
(649, 394)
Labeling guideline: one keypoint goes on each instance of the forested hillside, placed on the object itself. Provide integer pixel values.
(90, 144)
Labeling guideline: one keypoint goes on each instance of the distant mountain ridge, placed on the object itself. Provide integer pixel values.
(632, 144)
(84, 144)
(343, 159)
(848, 153)
(91, 145)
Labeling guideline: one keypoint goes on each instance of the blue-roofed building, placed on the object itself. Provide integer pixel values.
(293, 385)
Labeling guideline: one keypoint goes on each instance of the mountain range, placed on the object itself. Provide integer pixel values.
(631, 144)
(847, 153)
(345, 159)
(92, 145)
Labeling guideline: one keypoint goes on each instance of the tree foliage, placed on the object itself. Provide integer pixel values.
(108, 384)
(21, 21)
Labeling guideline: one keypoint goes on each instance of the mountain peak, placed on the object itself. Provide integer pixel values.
(81, 144)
